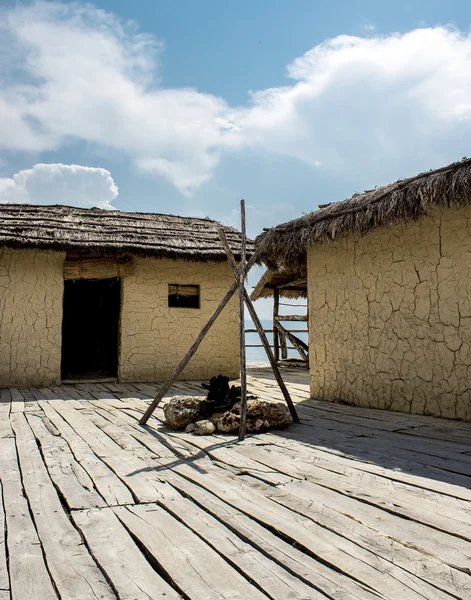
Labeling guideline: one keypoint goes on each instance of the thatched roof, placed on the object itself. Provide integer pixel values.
(93, 230)
(289, 284)
(405, 200)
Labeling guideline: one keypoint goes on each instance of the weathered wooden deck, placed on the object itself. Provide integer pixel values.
(351, 503)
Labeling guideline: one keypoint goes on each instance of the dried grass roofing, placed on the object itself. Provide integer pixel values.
(405, 200)
(92, 230)
(290, 285)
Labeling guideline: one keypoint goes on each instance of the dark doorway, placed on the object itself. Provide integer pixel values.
(90, 324)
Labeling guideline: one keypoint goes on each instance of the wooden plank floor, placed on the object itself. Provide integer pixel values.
(350, 504)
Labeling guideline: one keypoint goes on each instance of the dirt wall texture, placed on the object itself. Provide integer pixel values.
(390, 317)
(154, 337)
(31, 289)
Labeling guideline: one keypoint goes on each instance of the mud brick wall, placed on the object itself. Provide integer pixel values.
(154, 337)
(390, 317)
(31, 290)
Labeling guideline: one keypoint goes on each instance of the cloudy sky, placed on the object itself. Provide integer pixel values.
(185, 107)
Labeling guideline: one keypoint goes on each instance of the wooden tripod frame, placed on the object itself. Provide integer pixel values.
(240, 273)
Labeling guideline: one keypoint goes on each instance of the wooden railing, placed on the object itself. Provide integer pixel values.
(284, 339)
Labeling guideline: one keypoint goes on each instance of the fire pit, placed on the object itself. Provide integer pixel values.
(219, 411)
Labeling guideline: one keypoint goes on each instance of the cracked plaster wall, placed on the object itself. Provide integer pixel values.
(31, 288)
(390, 317)
(154, 337)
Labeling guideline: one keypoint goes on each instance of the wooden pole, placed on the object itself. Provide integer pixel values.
(194, 347)
(243, 362)
(276, 335)
(261, 332)
(283, 344)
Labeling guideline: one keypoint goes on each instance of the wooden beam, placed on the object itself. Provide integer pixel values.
(276, 335)
(283, 344)
(292, 318)
(294, 283)
(243, 362)
(300, 346)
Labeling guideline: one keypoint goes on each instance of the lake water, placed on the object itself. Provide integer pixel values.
(257, 355)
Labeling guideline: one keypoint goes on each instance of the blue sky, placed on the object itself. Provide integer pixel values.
(186, 106)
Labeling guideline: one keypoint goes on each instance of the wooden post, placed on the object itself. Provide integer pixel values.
(243, 364)
(276, 335)
(284, 349)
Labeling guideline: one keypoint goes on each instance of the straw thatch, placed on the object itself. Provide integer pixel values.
(290, 285)
(113, 232)
(405, 200)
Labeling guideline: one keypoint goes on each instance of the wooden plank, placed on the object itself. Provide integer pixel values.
(199, 571)
(110, 487)
(129, 468)
(318, 575)
(406, 447)
(365, 454)
(428, 541)
(5, 410)
(31, 404)
(419, 550)
(268, 575)
(68, 475)
(73, 570)
(342, 554)
(17, 401)
(117, 554)
(29, 577)
(337, 460)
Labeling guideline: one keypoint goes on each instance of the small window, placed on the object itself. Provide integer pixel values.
(183, 296)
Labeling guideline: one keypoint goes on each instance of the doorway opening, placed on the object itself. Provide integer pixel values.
(90, 328)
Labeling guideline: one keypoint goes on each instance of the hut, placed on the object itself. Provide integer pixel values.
(90, 294)
(389, 293)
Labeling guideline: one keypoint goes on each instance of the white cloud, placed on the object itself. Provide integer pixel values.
(87, 76)
(72, 185)
(371, 104)
(383, 106)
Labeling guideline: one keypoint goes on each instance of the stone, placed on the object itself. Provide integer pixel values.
(261, 416)
(214, 418)
(180, 411)
(204, 427)
(190, 428)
